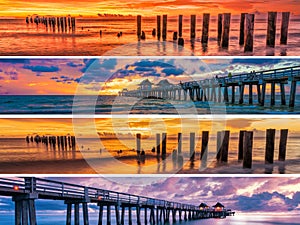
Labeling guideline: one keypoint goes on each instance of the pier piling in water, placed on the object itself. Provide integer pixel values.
(157, 144)
(158, 26)
(242, 29)
(270, 143)
(164, 144)
(139, 26)
(241, 145)
(225, 30)
(248, 45)
(220, 27)
(179, 141)
(180, 26)
(193, 26)
(282, 144)
(205, 28)
(192, 146)
(247, 149)
(284, 27)
(138, 143)
(164, 28)
(271, 30)
(204, 146)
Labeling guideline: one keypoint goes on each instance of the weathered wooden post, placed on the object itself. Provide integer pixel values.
(76, 213)
(180, 26)
(242, 29)
(248, 47)
(108, 214)
(138, 143)
(271, 32)
(204, 146)
(293, 93)
(284, 27)
(193, 26)
(233, 94)
(179, 141)
(272, 93)
(282, 144)
(225, 145)
(164, 29)
(241, 145)
(158, 25)
(225, 30)
(192, 146)
(270, 142)
(241, 93)
(139, 26)
(220, 27)
(164, 144)
(157, 144)
(205, 28)
(247, 149)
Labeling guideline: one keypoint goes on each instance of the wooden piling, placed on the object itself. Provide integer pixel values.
(76, 213)
(204, 146)
(205, 28)
(241, 93)
(248, 47)
(219, 142)
(282, 93)
(69, 211)
(241, 145)
(233, 94)
(247, 149)
(250, 94)
(129, 216)
(138, 143)
(282, 144)
(85, 213)
(139, 26)
(158, 25)
(271, 32)
(179, 141)
(180, 26)
(220, 27)
(164, 144)
(108, 214)
(224, 146)
(138, 215)
(270, 142)
(157, 144)
(263, 94)
(293, 93)
(284, 27)
(164, 28)
(193, 26)
(192, 146)
(225, 30)
(242, 29)
(272, 93)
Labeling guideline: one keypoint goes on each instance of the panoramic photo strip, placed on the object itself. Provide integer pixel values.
(128, 200)
(149, 146)
(156, 85)
(172, 27)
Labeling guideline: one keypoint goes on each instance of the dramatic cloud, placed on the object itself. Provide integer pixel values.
(42, 69)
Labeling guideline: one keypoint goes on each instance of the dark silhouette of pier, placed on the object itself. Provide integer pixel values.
(217, 89)
(25, 191)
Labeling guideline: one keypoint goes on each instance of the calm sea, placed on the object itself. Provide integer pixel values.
(18, 38)
(59, 219)
(63, 104)
(17, 150)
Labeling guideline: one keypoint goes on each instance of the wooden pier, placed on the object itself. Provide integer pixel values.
(246, 31)
(25, 191)
(221, 151)
(217, 89)
(55, 24)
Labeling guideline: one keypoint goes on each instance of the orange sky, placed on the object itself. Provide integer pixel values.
(144, 7)
(148, 127)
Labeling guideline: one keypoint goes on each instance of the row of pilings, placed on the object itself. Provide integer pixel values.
(246, 35)
(55, 142)
(61, 24)
(245, 147)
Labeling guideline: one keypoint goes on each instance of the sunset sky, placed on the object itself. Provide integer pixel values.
(243, 195)
(144, 7)
(109, 76)
(131, 126)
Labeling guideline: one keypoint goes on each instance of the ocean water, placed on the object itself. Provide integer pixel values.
(240, 219)
(18, 38)
(64, 104)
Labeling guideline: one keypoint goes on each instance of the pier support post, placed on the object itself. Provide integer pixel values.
(272, 93)
(158, 25)
(233, 94)
(138, 143)
(164, 29)
(250, 94)
(138, 215)
(193, 26)
(282, 93)
(258, 93)
(76, 213)
(248, 47)
(204, 145)
(263, 94)
(241, 145)
(179, 141)
(224, 146)
(180, 26)
(139, 26)
(108, 214)
(271, 32)
(129, 216)
(225, 31)
(226, 94)
(100, 215)
(123, 215)
(247, 149)
(282, 144)
(157, 144)
(146, 217)
(241, 92)
(293, 93)
(270, 142)
(205, 28)
(242, 29)
(117, 212)
(85, 213)
(192, 146)
(164, 144)
(284, 27)
(220, 27)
